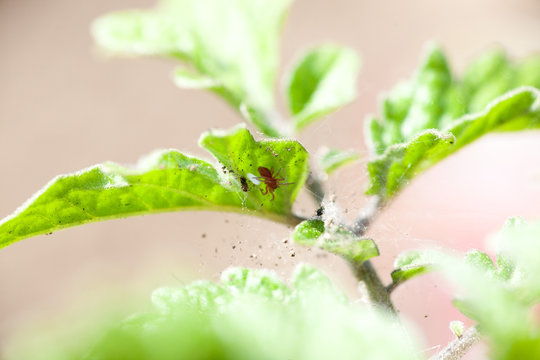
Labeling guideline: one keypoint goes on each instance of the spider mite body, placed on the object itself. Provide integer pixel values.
(271, 181)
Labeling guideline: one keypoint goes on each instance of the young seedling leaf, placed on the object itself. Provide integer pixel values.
(409, 265)
(251, 314)
(337, 240)
(389, 172)
(500, 299)
(231, 46)
(457, 328)
(252, 163)
(323, 80)
(518, 246)
(424, 120)
(167, 181)
(480, 260)
(330, 160)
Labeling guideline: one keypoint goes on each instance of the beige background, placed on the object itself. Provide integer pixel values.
(63, 108)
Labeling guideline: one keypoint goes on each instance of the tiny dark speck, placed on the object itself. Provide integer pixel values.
(244, 184)
(203, 235)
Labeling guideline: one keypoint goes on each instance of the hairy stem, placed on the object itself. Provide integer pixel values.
(365, 272)
(459, 347)
(376, 291)
(315, 188)
(367, 216)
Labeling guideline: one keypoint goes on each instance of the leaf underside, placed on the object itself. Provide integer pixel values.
(167, 180)
(323, 80)
(228, 47)
(425, 120)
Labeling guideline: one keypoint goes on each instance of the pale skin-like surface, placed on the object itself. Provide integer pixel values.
(62, 109)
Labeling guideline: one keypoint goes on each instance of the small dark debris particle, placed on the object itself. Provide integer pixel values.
(293, 254)
(279, 257)
(425, 316)
(226, 221)
(216, 250)
(203, 235)
(320, 211)
(260, 246)
(285, 241)
(234, 247)
(244, 184)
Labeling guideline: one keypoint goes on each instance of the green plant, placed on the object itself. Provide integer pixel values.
(252, 314)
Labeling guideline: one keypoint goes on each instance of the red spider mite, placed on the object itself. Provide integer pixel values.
(271, 180)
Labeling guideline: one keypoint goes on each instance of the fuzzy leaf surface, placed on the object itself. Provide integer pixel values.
(336, 240)
(251, 314)
(433, 115)
(330, 160)
(229, 47)
(500, 297)
(166, 181)
(389, 172)
(323, 80)
(409, 265)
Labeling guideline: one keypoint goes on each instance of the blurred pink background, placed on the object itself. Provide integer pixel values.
(63, 107)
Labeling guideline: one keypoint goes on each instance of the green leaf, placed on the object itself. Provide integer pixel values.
(409, 265)
(500, 300)
(243, 156)
(518, 246)
(323, 80)
(331, 159)
(457, 328)
(230, 47)
(480, 260)
(168, 180)
(433, 115)
(336, 240)
(389, 172)
(252, 314)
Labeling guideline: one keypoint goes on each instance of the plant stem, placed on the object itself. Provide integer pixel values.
(367, 216)
(315, 188)
(459, 347)
(376, 291)
(365, 272)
